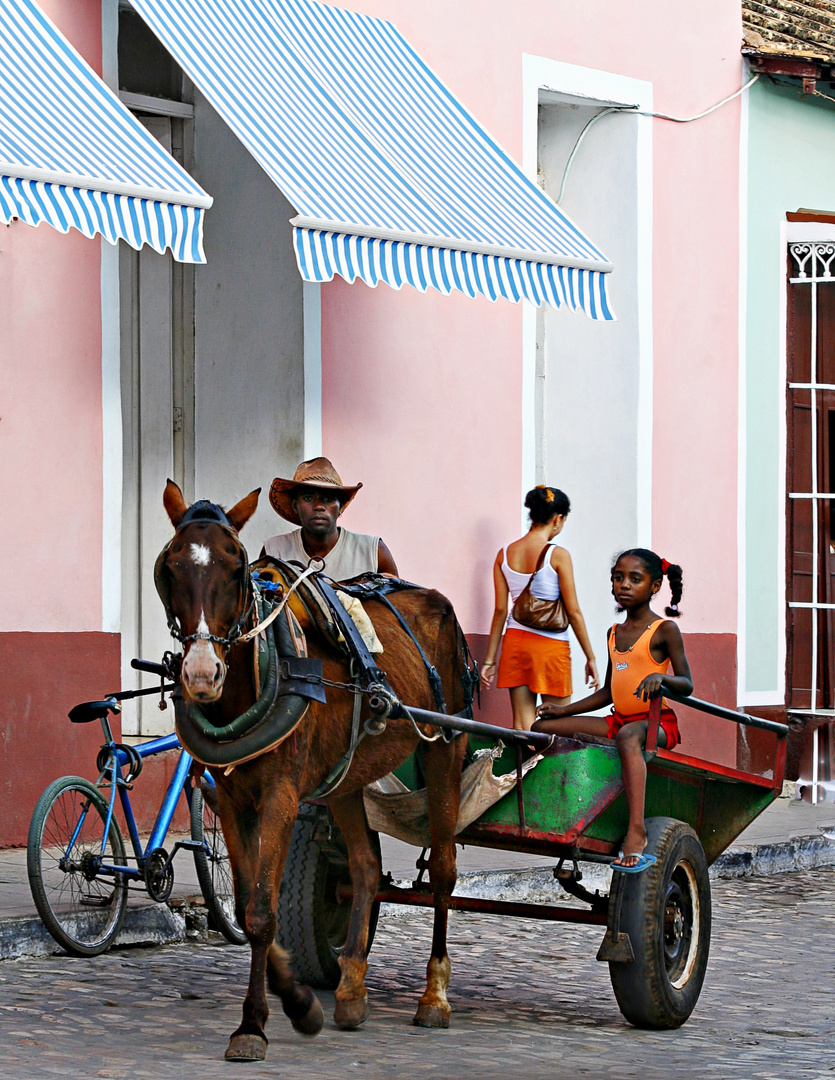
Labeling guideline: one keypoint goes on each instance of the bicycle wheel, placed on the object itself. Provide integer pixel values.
(81, 907)
(213, 870)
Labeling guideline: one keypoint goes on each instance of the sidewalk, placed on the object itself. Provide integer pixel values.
(785, 837)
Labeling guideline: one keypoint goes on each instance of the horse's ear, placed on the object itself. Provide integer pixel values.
(241, 512)
(174, 503)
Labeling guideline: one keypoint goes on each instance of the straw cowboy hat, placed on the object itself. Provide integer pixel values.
(316, 473)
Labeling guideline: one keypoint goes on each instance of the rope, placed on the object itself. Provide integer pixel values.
(311, 569)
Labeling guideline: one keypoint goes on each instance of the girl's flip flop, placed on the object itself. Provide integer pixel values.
(643, 863)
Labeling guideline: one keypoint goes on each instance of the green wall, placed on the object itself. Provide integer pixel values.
(791, 165)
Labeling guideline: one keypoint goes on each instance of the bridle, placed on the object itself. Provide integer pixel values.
(204, 512)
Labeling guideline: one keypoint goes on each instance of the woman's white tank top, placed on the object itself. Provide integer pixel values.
(546, 586)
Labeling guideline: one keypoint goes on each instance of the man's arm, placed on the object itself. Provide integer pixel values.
(385, 561)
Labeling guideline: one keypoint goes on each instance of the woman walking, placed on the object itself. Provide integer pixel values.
(536, 661)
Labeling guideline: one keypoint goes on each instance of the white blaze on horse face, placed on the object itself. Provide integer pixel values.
(201, 554)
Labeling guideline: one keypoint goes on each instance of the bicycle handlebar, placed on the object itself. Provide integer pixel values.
(149, 665)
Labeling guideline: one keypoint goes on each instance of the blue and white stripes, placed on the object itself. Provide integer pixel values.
(73, 156)
(322, 254)
(393, 180)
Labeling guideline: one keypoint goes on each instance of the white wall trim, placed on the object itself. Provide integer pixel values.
(111, 417)
(312, 302)
(776, 694)
(110, 44)
(782, 428)
(111, 388)
(798, 232)
(742, 423)
(543, 78)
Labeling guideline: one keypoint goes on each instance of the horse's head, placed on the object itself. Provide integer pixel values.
(202, 577)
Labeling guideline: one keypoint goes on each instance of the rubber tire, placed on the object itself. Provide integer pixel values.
(54, 821)
(661, 988)
(312, 927)
(213, 870)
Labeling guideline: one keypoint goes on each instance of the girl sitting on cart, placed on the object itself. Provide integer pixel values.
(642, 649)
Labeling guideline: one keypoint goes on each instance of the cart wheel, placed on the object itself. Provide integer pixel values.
(666, 913)
(312, 925)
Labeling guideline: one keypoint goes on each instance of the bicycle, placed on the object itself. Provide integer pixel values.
(79, 872)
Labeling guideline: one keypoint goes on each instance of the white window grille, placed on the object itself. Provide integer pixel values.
(814, 265)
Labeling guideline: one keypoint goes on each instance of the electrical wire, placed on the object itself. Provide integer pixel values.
(658, 116)
(707, 112)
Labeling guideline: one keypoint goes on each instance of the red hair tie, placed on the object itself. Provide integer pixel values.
(665, 566)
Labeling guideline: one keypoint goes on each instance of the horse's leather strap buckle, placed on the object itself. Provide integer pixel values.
(303, 676)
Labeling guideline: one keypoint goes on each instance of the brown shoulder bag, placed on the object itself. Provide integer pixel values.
(529, 610)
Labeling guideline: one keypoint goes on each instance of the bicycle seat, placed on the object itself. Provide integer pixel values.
(93, 710)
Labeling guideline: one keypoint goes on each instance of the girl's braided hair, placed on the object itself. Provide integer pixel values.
(657, 568)
(543, 502)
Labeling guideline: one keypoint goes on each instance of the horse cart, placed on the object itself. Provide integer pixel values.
(290, 697)
(570, 806)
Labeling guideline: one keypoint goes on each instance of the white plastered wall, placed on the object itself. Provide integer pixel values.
(588, 426)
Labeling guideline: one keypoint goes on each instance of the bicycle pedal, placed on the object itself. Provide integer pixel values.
(190, 845)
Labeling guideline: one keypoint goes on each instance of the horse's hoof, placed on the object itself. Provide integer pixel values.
(312, 1021)
(246, 1048)
(432, 1016)
(351, 1014)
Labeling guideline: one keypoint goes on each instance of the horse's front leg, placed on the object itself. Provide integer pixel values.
(267, 849)
(442, 768)
(351, 1008)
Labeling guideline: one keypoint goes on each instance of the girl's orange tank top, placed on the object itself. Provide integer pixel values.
(630, 667)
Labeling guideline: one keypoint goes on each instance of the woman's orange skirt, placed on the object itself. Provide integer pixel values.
(540, 663)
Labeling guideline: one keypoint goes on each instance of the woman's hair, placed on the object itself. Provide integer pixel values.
(543, 502)
(657, 568)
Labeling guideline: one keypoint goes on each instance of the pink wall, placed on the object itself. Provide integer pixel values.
(434, 437)
(50, 408)
(455, 364)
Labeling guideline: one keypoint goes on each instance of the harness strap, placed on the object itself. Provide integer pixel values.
(431, 671)
(340, 770)
(368, 671)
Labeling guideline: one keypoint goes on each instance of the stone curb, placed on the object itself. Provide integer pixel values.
(159, 924)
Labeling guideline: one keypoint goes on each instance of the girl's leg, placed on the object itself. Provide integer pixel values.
(549, 699)
(630, 741)
(523, 704)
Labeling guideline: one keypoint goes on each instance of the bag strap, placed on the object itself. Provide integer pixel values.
(540, 562)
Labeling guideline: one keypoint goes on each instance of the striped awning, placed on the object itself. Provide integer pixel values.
(392, 178)
(73, 156)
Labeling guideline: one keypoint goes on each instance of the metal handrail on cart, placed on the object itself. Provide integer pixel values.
(420, 895)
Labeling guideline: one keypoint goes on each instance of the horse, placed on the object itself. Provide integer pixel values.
(203, 576)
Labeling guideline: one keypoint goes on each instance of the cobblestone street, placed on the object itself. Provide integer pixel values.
(529, 1000)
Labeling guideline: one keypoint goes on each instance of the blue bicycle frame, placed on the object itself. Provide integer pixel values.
(119, 758)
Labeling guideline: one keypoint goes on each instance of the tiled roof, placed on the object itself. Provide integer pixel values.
(801, 28)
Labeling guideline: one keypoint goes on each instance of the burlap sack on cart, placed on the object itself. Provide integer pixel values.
(393, 809)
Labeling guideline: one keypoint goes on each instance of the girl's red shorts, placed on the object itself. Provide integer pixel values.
(668, 723)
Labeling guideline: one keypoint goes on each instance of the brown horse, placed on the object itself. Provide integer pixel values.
(204, 579)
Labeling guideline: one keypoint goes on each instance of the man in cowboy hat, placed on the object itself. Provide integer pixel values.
(313, 500)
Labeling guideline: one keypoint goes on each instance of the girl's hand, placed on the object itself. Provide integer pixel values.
(549, 711)
(488, 673)
(592, 678)
(650, 687)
